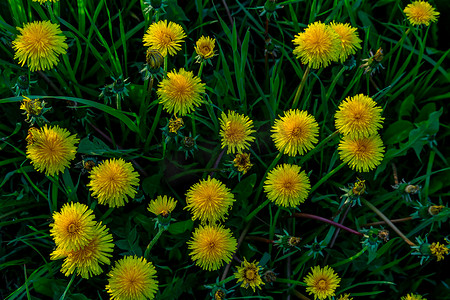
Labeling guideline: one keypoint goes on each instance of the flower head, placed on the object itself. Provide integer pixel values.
(322, 282)
(212, 246)
(358, 117)
(86, 260)
(295, 132)
(317, 46)
(413, 297)
(162, 205)
(180, 92)
(349, 40)
(420, 12)
(248, 273)
(362, 154)
(33, 109)
(287, 186)
(209, 200)
(52, 149)
(344, 297)
(73, 227)
(438, 250)
(242, 162)
(236, 130)
(164, 37)
(112, 180)
(204, 48)
(132, 278)
(39, 45)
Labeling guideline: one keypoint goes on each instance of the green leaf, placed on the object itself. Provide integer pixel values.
(397, 132)
(180, 227)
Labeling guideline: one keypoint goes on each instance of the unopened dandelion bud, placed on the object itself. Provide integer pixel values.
(154, 59)
(270, 276)
(412, 189)
(435, 209)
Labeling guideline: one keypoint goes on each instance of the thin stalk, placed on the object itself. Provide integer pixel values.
(350, 259)
(272, 227)
(299, 295)
(26, 282)
(153, 242)
(300, 88)
(383, 222)
(241, 238)
(55, 187)
(259, 239)
(165, 64)
(290, 281)
(200, 70)
(226, 280)
(325, 178)
(216, 163)
(63, 296)
(381, 215)
(321, 219)
(427, 179)
(153, 128)
(318, 147)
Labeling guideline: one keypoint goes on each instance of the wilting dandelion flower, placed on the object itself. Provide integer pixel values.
(358, 117)
(242, 162)
(287, 186)
(73, 227)
(162, 205)
(236, 130)
(413, 297)
(362, 154)
(322, 282)
(52, 149)
(204, 48)
(132, 278)
(39, 45)
(112, 181)
(438, 250)
(349, 40)
(209, 200)
(212, 246)
(86, 260)
(317, 46)
(420, 12)
(180, 92)
(344, 297)
(295, 132)
(248, 273)
(164, 37)
(33, 108)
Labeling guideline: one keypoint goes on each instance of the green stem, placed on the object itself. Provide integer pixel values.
(199, 75)
(398, 44)
(272, 228)
(314, 217)
(55, 187)
(427, 178)
(386, 219)
(226, 280)
(152, 130)
(300, 88)
(63, 296)
(107, 213)
(165, 64)
(153, 242)
(331, 88)
(325, 178)
(290, 281)
(318, 147)
(350, 259)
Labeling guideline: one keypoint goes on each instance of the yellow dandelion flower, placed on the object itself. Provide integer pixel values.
(236, 130)
(86, 260)
(112, 180)
(204, 48)
(438, 250)
(73, 227)
(52, 149)
(180, 92)
(175, 124)
(349, 40)
(248, 273)
(344, 297)
(162, 205)
(39, 45)
(286, 185)
(413, 297)
(295, 132)
(322, 282)
(32, 108)
(164, 37)
(420, 12)
(212, 246)
(317, 46)
(358, 117)
(132, 278)
(209, 200)
(363, 154)
(242, 162)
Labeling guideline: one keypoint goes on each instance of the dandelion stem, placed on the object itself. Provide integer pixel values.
(226, 280)
(200, 70)
(381, 215)
(314, 217)
(63, 296)
(325, 178)
(318, 147)
(299, 295)
(300, 88)
(383, 222)
(259, 239)
(350, 259)
(216, 163)
(153, 242)
(55, 186)
(290, 281)
(153, 128)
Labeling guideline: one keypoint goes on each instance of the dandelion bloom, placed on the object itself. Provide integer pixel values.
(209, 200)
(413, 297)
(52, 149)
(362, 154)
(39, 45)
(164, 37)
(295, 132)
(349, 40)
(73, 227)
(420, 12)
(180, 92)
(236, 130)
(358, 117)
(32, 108)
(132, 278)
(86, 260)
(212, 246)
(344, 297)
(242, 162)
(438, 250)
(162, 205)
(317, 46)
(287, 186)
(204, 48)
(248, 273)
(322, 282)
(112, 180)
